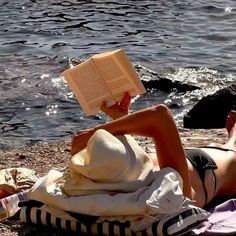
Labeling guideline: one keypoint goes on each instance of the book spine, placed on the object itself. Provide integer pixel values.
(103, 79)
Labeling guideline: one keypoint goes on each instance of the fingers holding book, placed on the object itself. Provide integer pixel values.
(119, 109)
(125, 101)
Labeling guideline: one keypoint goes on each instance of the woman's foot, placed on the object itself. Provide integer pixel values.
(230, 123)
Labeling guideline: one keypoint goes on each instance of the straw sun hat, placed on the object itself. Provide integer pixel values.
(109, 163)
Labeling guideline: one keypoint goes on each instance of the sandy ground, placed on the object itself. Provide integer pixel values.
(43, 156)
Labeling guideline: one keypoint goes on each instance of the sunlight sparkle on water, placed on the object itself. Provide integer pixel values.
(186, 101)
(51, 110)
(58, 82)
(70, 95)
(228, 9)
(201, 77)
(43, 76)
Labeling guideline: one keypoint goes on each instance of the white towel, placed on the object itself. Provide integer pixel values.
(163, 196)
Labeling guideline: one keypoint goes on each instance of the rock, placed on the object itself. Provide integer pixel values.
(212, 110)
(21, 156)
(168, 85)
(153, 80)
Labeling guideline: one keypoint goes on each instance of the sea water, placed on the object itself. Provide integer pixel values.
(189, 41)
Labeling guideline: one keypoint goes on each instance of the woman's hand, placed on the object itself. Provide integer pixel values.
(119, 109)
(80, 140)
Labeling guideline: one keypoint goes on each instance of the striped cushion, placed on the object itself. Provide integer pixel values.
(177, 224)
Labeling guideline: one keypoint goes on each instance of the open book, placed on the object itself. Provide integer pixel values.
(103, 77)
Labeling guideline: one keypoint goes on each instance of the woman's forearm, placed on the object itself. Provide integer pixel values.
(154, 122)
(141, 123)
(136, 123)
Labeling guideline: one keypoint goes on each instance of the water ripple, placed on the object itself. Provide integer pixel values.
(188, 41)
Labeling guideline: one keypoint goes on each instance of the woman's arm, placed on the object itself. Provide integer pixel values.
(156, 122)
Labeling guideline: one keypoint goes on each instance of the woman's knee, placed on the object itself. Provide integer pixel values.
(157, 115)
(161, 111)
(162, 108)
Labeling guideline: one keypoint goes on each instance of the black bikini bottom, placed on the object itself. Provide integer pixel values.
(201, 161)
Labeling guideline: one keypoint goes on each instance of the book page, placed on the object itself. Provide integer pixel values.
(130, 72)
(88, 87)
(119, 74)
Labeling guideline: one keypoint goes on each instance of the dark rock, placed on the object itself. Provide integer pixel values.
(174, 106)
(153, 80)
(212, 110)
(21, 156)
(168, 85)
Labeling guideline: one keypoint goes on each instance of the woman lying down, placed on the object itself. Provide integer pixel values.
(208, 172)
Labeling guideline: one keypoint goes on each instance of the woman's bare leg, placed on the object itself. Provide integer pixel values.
(230, 121)
(156, 122)
(231, 129)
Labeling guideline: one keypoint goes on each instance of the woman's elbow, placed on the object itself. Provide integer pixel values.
(161, 112)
